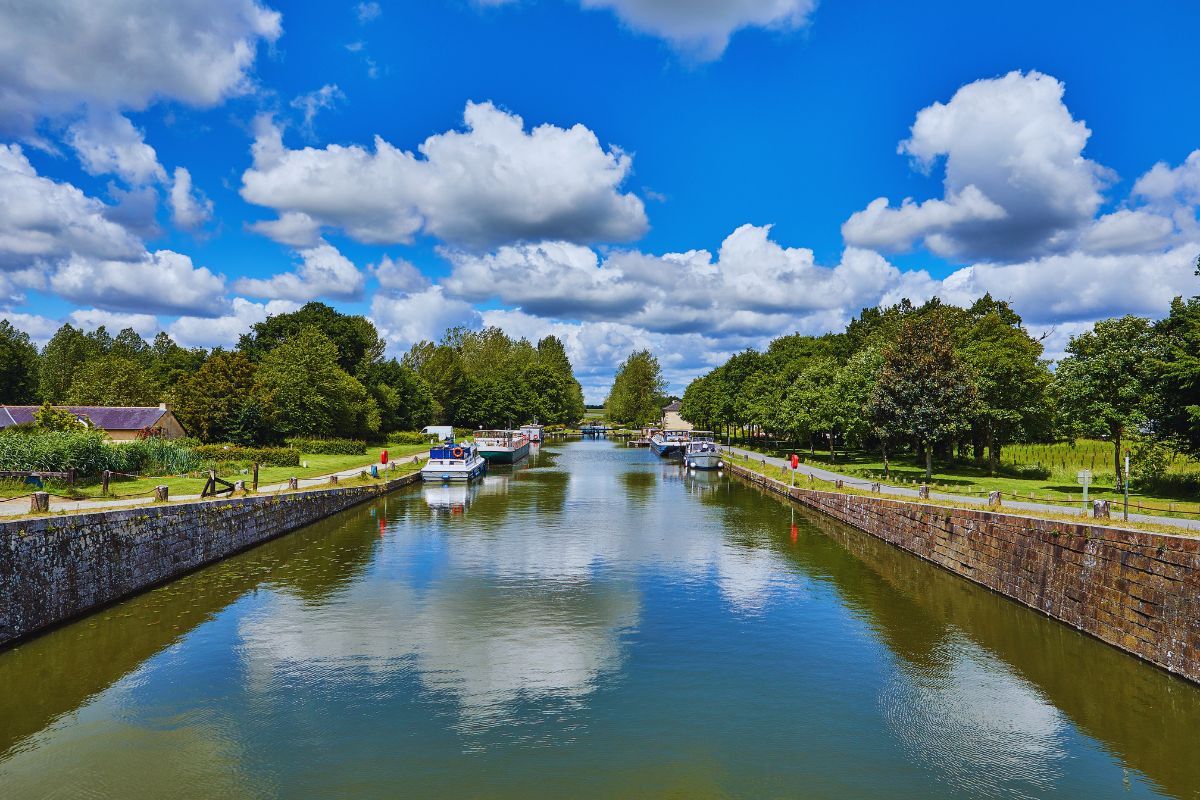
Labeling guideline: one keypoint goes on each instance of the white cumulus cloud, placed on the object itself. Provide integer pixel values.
(42, 220)
(58, 55)
(162, 282)
(408, 318)
(223, 331)
(189, 207)
(107, 143)
(1016, 182)
(492, 183)
(323, 272)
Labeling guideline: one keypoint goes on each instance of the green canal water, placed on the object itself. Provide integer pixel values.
(592, 623)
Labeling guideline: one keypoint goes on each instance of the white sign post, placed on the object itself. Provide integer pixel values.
(1084, 477)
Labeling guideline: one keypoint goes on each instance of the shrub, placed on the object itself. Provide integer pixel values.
(329, 447)
(409, 437)
(267, 456)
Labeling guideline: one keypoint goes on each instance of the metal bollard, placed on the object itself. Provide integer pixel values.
(993, 499)
(1101, 509)
(162, 494)
(40, 501)
(293, 483)
(923, 491)
(875, 488)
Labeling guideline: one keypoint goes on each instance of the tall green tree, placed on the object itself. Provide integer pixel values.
(113, 381)
(924, 390)
(210, 403)
(1176, 368)
(68, 349)
(354, 337)
(637, 391)
(1105, 385)
(309, 394)
(1010, 379)
(18, 366)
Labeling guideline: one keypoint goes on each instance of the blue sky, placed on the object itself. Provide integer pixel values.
(693, 176)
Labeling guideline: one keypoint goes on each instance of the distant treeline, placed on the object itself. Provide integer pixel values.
(313, 373)
(965, 382)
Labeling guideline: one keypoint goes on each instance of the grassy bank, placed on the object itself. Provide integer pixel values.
(1055, 467)
(193, 483)
(780, 474)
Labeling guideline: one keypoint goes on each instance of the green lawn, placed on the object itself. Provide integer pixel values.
(827, 486)
(1062, 460)
(193, 484)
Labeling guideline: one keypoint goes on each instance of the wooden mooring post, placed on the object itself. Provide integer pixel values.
(39, 502)
(162, 494)
(255, 476)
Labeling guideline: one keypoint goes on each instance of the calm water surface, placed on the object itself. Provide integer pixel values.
(591, 624)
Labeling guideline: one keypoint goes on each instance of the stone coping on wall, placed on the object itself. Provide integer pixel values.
(1136, 590)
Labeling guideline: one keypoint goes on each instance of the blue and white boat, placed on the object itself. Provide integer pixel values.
(669, 443)
(702, 452)
(454, 462)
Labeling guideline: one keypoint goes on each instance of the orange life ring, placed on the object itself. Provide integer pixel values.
(457, 452)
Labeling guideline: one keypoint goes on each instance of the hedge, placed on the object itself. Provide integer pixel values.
(329, 447)
(266, 456)
(409, 437)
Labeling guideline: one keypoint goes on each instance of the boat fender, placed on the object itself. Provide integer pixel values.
(457, 452)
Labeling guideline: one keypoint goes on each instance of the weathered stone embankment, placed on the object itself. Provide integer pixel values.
(1135, 590)
(59, 567)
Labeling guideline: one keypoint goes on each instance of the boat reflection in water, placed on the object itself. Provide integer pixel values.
(450, 498)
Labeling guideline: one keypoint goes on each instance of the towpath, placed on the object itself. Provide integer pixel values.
(20, 505)
(904, 491)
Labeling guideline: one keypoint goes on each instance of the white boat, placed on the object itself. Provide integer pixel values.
(453, 462)
(502, 447)
(534, 431)
(702, 452)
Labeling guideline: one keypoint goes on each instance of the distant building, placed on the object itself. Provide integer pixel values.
(121, 423)
(671, 420)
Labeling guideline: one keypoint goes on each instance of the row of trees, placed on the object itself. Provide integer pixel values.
(965, 381)
(314, 372)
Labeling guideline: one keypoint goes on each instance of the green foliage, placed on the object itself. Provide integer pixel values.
(112, 380)
(408, 437)
(485, 378)
(58, 451)
(924, 391)
(62, 357)
(1104, 385)
(636, 397)
(1176, 366)
(308, 394)
(266, 456)
(355, 339)
(333, 447)
(18, 366)
(52, 418)
(89, 454)
(214, 400)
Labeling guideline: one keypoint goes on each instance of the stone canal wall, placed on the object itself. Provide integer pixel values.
(58, 567)
(1135, 590)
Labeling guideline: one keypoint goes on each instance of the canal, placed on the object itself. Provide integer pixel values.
(593, 623)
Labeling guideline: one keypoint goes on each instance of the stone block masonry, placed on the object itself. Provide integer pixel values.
(55, 568)
(1135, 590)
